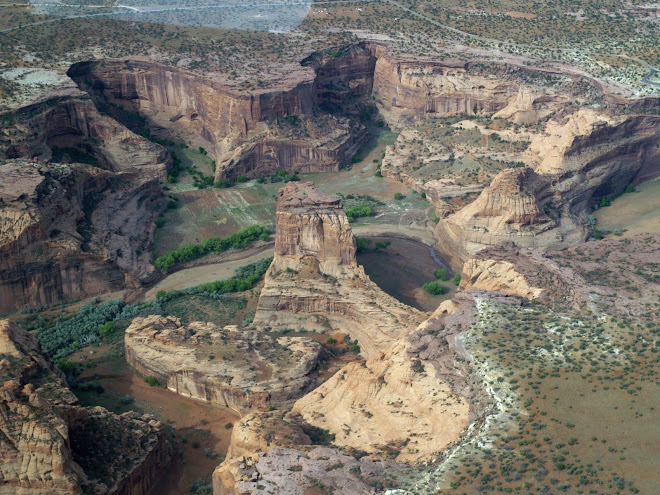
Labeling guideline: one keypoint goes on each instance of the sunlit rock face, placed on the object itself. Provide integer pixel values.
(51, 446)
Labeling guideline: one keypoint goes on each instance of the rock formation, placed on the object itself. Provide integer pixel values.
(241, 369)
(72, 230)
(51, 446)
(575, 163)
(315, 282)
(248, 134)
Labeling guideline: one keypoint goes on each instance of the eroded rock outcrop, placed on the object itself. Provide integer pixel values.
(248, 134)
(576, 162)
(315, 282)
(241, 369)
(49, 445)
(71, 230)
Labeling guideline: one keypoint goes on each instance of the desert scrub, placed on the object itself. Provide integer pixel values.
(190, 252)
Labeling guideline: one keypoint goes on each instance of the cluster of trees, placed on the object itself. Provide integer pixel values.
(84, 328)
(245, 278)
(361, 210)
(190, 252)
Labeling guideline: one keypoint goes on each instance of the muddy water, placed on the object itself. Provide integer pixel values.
(402, 268)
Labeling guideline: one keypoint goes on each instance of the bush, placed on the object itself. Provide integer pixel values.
(229, 426)
(434, 288)
(362, 244)
(382, 244)
(201, 487)
(152, 381)
(223, 183)
(398, 196)
(442, 274)
(361, 210)
(241, 179)
(190, 252)
(457, 280)
(630, 189)
(604, 202)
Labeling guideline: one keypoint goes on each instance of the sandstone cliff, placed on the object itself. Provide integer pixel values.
(241, 369)
(51, 446)
(71, 230)
(577, 161)
(315, 282)
(246, 133)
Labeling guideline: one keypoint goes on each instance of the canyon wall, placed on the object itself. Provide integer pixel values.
(577, 160)
(73, 230)
(51, 446)
(241, 369)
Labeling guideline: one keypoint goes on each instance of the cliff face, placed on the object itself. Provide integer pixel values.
(75, 230)
(242, 131)
(315, 281)
(51, 446)
(574, 162)
(409, 91)
(240, 369)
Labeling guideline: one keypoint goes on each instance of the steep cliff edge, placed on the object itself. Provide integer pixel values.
(51, 446)
(247, 133)
(576, 161)
(315, 282)
(72, 230)
(241, 369)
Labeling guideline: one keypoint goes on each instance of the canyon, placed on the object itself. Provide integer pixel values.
(50, 445)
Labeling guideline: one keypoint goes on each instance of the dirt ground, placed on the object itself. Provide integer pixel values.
(196, 426)
(401, 269)
(636, 212)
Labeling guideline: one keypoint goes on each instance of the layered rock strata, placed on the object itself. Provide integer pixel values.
(49, 445)
(72, 230)
(241, 369)
(246, 133)
(578, 161)
(315, 282)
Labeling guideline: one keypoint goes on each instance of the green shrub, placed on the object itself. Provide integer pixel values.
(107, 328)
(398, 196)
(382, 244)
(362, 244)
(434, 288)
(457, 280)
(442, 274)
(152, 381)
(362, 210)
(604, 202)
(241, 179)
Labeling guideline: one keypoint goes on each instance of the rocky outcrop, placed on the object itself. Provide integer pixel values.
(72, 230)
(315, 282)
(48, 445)
(497, 276)
(241, 369)
(305, 144)
(576, 162)
(408, 91)
(392, 405)
(246, 133)
(288, 471)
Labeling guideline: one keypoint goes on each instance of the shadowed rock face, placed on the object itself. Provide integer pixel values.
(574, 164)
(50, 446)
(75, 230)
